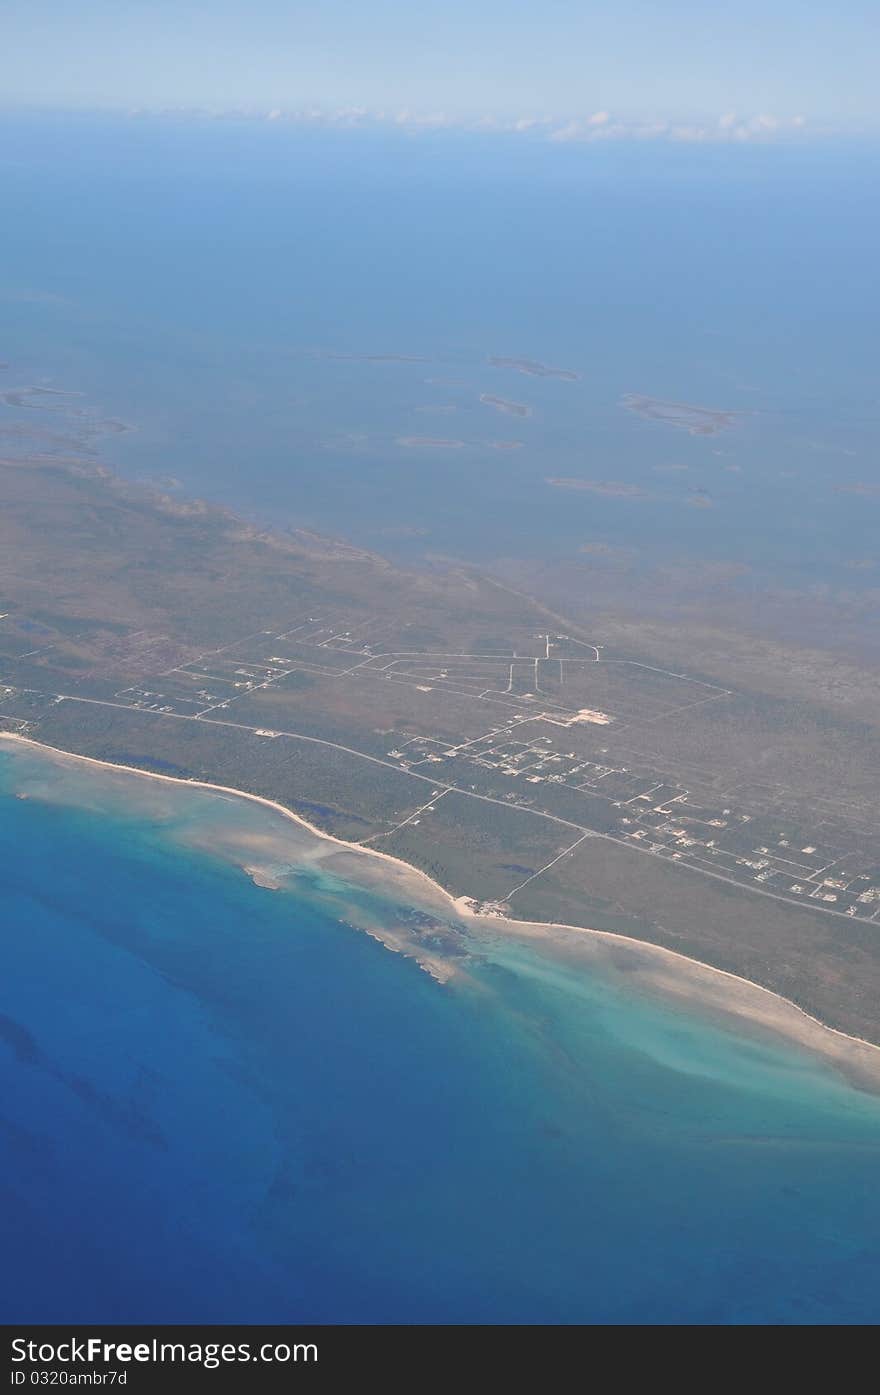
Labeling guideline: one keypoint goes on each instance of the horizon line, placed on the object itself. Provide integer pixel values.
(596, 128)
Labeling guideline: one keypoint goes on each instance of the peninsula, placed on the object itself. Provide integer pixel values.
(544, 773)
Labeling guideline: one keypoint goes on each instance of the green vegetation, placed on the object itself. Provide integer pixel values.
(627, 790)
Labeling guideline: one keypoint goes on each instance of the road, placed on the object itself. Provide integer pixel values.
(583, 829)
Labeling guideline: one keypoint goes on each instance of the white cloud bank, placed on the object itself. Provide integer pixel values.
(601, 125)
(728, 127)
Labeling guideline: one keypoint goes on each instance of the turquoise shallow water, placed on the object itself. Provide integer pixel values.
(219, 1102)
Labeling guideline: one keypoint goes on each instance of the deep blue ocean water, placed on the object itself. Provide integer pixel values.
(221, 1103)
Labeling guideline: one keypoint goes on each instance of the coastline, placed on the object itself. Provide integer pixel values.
(726, 995)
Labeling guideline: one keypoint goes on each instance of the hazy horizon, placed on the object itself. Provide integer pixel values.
(455, 62)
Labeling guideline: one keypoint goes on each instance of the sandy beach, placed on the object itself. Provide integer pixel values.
(735, 1001)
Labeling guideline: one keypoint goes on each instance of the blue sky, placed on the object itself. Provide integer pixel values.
(453, 59)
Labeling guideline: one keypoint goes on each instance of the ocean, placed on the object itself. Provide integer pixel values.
(225, 1103)
(280, 314)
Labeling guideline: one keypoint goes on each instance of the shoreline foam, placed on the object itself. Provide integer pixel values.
(663, 971)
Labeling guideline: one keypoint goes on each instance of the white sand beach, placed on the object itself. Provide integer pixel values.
(735, 1001)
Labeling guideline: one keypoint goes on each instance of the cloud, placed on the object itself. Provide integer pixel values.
(560, 130)
(572, 131)
(728, 127)
(689, 133)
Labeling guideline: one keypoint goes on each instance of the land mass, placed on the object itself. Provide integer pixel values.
(377, 358)
(441, 932)
(547, 774)
(434, 442)
(698, 421)
(613, 489)
(533, 369)
(503, 404)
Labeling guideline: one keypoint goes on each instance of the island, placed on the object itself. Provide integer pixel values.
(431, 442)
(503, 404)
(533, 369)
(697, 421)
(611, 489)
